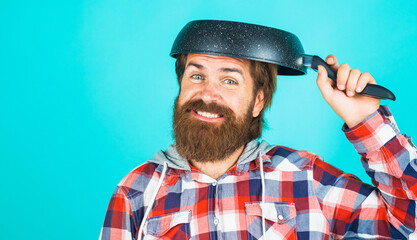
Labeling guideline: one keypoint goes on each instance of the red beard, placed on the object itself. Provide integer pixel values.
(206, 141)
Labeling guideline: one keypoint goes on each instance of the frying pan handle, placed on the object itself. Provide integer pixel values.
(372, 90)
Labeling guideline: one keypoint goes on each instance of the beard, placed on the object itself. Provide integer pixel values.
(206, 141)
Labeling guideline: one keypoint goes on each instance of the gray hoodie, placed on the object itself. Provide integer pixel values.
(173, 160)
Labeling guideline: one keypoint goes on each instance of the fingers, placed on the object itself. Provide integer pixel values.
(342, 76)
(332, 61)
(324, 84)
(352, 80)
(364, 79)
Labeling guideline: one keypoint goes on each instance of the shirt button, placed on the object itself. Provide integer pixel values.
(280, 217)
(216, 221)
(214, 184)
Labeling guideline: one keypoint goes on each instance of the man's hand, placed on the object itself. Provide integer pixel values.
(353, 108)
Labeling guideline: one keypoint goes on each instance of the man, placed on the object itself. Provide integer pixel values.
(217, 182)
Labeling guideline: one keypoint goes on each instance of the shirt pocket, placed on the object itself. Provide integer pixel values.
(169, 226)
(279, 220)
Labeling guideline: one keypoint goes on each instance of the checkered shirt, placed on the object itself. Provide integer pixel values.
(305, 198)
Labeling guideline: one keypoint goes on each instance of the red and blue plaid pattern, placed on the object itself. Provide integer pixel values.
(305, 197)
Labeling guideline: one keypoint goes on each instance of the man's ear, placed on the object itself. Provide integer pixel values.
(259, 103)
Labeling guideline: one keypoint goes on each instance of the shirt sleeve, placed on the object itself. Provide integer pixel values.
(118, 222)
(387, 209)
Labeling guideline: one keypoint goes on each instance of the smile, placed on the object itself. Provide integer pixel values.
(207, 116)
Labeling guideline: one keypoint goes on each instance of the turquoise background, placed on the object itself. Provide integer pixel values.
(87, 90)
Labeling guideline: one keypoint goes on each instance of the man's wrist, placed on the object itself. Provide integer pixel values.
(373, 132)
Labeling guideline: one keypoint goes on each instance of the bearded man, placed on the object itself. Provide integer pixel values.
(218, 182)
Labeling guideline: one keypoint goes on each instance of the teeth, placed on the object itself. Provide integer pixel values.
(208, 115)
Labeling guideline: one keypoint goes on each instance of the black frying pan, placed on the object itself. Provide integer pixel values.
(259, 43)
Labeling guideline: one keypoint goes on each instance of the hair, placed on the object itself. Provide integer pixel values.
(265, 79)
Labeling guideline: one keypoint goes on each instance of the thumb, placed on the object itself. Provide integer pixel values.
(324, 84)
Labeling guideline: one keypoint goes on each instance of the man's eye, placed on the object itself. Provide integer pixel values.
(197, 76)
(230, 82)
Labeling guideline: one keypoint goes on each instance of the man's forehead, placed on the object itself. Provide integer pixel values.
(218, 57)
(193, 58)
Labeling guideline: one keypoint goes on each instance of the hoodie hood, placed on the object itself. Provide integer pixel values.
(172, 158)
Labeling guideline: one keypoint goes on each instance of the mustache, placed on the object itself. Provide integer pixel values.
(200, 105)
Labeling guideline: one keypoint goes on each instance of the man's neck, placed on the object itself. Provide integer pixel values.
(219, 167)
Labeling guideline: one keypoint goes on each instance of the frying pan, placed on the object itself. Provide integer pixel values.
(259, 43)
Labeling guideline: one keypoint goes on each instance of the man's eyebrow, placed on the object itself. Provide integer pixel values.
(195, 65)
(201, 67)
(232, 70)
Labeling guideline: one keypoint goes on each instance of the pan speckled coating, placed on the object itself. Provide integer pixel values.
(242, 40)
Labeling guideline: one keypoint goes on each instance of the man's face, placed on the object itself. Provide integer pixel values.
(222, 80)
(215, 107)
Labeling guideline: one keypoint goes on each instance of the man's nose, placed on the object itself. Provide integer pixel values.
(210, 92)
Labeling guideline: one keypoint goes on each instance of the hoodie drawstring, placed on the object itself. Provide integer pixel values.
(263, 195)
(148, 209)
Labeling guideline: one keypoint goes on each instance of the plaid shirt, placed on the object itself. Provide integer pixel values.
(305, 197)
